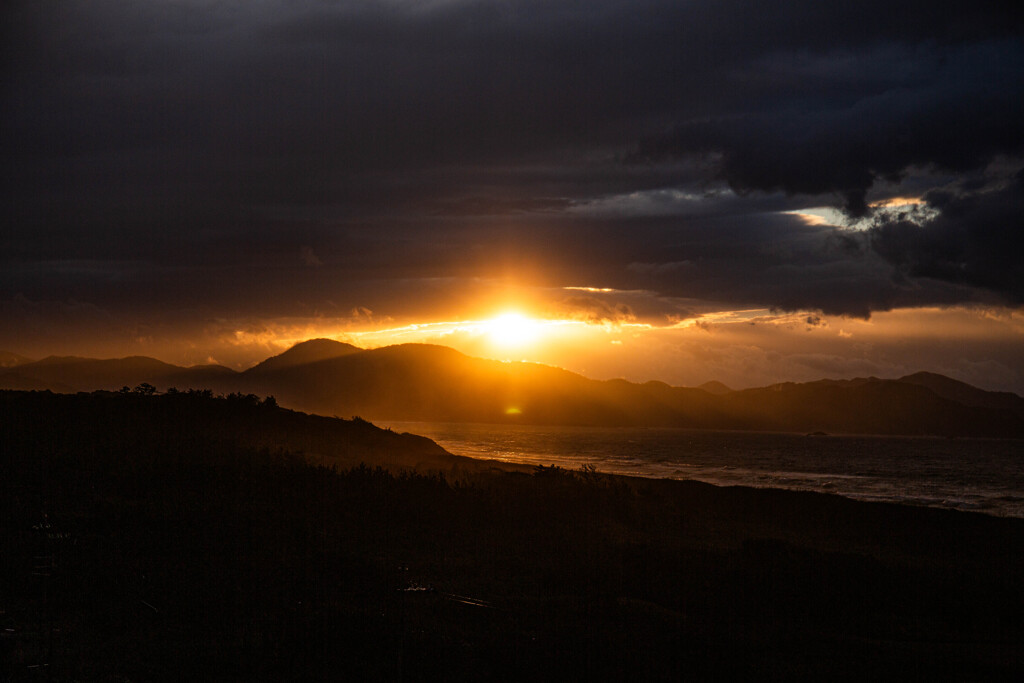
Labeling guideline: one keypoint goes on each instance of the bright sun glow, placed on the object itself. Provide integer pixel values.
(512, 330)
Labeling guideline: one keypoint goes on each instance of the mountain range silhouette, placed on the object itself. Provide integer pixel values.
(422, 382)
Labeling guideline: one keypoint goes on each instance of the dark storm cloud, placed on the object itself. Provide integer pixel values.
(278, 154)
(771, 261)
(958, 117)
(976, 240)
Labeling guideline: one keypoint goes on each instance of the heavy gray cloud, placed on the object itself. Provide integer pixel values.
(976, 240)
(156, 153)
(956, 116)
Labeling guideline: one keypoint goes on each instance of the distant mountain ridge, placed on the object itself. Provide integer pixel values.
(10, 360)
(422, 382)
(73, 373)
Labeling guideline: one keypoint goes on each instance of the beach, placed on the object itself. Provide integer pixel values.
(154, 553)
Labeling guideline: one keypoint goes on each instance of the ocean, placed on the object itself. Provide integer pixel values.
(982, 475)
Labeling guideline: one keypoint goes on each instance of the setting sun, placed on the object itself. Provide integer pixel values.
(512, 330)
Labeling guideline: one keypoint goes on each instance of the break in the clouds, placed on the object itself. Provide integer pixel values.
(976, 239)
(305, 158)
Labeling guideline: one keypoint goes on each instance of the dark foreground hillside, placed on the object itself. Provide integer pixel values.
(209, 554)
(132, 424)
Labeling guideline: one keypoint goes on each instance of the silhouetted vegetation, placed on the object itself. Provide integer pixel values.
(150, 537)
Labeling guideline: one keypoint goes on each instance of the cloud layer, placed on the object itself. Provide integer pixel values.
(303, 158)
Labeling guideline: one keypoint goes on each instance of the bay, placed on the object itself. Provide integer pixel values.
(984, 475)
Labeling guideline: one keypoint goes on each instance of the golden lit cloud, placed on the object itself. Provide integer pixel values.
(810, 218)
(821, 215)
(592, 290)
(897, 201)
(914, 207)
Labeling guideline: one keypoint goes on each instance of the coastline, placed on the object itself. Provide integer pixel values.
(971, 474)
(173, 554)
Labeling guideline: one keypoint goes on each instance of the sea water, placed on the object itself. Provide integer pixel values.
(985, 475)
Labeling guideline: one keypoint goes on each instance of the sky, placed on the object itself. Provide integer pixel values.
(730, 190)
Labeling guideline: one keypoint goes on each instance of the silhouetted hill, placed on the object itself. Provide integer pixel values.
(425, 382)
(216, 377)
(310, 351)
(872, 406)
(964, 393)
(134, 422)
(87, 374)
(10, 360)
(72, 373)
(436, 383)
(17, 381)
(715, 387)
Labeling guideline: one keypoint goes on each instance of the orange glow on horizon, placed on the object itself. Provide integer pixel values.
(509, 332)
(740, 347)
